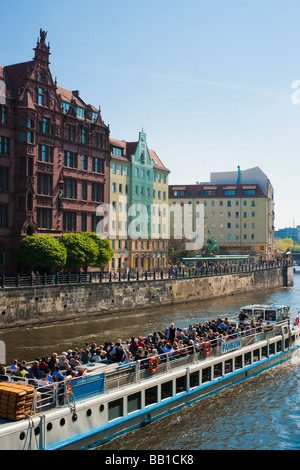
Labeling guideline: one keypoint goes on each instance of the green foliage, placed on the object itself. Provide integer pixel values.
(41, 251)
(283, 245)
(105, 252)
(71, 249)
(81, 250)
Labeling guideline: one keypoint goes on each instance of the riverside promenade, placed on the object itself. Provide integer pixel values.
(28, 300)
(104, 276)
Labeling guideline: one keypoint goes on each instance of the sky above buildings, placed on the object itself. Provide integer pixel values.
(210, 82)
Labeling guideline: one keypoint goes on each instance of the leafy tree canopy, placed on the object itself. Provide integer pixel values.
(105, 252)
(81, 249)
(41, 251)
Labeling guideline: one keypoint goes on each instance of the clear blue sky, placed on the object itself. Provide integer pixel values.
(209, 81)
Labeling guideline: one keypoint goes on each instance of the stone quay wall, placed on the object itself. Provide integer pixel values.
(43, 304)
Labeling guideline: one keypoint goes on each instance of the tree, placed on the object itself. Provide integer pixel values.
(81, 249)
(41, 251)
(105, 252)
(283, 245)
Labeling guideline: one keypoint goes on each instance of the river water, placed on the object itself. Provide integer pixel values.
(259, 414)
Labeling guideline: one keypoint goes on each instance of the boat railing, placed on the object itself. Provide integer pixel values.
(118, 375)
(143, 369)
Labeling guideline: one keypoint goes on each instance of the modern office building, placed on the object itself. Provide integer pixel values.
(238, 210)
(138, 195)
(54, 156)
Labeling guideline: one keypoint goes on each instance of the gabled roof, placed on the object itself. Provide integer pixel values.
(69, 96)
(18, 74)
(129, 149)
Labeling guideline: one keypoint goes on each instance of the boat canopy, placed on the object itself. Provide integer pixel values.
(270, 313)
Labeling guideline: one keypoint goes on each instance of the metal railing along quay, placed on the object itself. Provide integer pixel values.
(104, 276)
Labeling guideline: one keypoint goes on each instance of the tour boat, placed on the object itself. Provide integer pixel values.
(112, 399)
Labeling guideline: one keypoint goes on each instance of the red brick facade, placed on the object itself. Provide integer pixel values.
(54, 156)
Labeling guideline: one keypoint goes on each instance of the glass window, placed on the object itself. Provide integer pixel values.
(247, 359)
(255, 355)
(167, 390)
(80, 112)
(83, 222)
(150, 396)
(41, 97)
(134, 402)
(115, 409)
(194, 379)
(84, 190)
(238, 363)
(228, 366)
(69, 221)
(4, 145)
(2, 255)
(218, 369)
(206, 374)
(84, 162)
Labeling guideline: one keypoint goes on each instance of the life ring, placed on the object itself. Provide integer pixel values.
(69, 390)
(153, 363)
(207, 348)
(296, 321)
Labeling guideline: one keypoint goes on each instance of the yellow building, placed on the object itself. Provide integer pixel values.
(240, 216)
(138, 196)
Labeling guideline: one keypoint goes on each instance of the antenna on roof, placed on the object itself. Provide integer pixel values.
(239, 175)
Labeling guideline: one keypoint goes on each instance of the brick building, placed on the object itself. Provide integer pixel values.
(54, 156)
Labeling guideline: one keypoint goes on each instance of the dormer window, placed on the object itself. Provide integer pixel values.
(80, 112)
(65, 106)
(117, 151)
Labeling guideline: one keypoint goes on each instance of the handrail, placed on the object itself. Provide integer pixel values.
(121, 374)
(101, 276)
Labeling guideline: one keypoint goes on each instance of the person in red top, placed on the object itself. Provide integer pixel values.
(141, 343)
(43, 365)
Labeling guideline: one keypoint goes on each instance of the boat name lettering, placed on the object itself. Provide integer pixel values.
(229, 345)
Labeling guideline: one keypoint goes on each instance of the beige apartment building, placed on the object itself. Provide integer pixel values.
(238, 210)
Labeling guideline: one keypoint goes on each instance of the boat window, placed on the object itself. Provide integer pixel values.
(246, 311)
(167, 390)
(247, 358)
(258, 313)
(134, 402)
(115, 409)
(218, 368)
(150, 396)
(238, 362)
(194, 379)
(272, 348)
(181, 384)
(279, 346)
(286, 343)
(228, 366)
(270, 315)
(255, 355)
(264, 352)
(206, 374)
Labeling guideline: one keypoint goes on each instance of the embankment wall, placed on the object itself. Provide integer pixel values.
(43, 304)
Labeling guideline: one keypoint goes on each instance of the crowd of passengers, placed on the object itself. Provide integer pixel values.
(172, 341)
